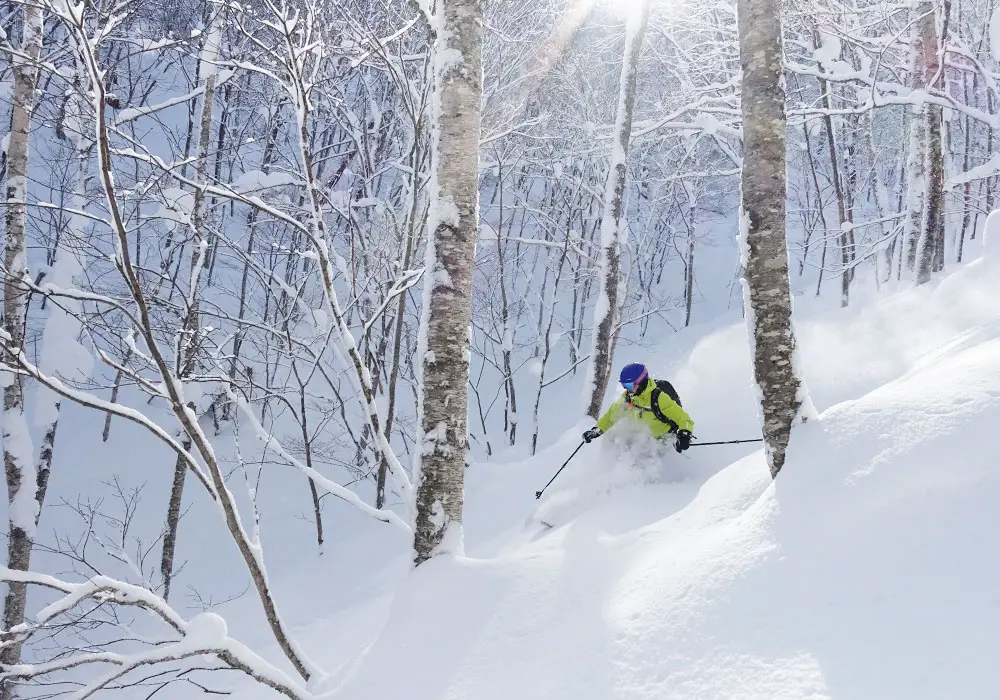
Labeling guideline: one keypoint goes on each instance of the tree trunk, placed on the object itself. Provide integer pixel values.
(939, 146)
(115, 388)
(20, 469)
(307, 447)
(820, 210)
(838, 188)
(506, 331)
(21, 473)
(931, 254)
(397, 340)
(915, 188)
(189, 346)
(453, 223)
(928, 157)
(689, 276)
(767, 297)
(606, 308)
(967, 187)
(60, 351)
(173, 521)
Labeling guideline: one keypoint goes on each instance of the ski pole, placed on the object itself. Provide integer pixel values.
(725, 442)
(538, 494)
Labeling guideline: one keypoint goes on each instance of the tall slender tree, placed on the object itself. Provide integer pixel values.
(767, 297)
(188, 347)
(453, 223)
(606, 311)
(928, 73)
(25, 490)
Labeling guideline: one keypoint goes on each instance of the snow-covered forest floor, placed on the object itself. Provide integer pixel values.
(303, 302)
(863, 572)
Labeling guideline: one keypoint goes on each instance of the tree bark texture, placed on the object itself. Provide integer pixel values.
(606, 309)
(692, 218)
(453, 223)
(23, 483)
(931, 253)
(762, 227)
(929, 241)
(173, 522)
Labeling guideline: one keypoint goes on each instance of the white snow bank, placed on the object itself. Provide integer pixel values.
(865, 571)
(860, 573)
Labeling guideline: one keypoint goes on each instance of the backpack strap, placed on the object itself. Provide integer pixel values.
(654, 405)
(666, 386)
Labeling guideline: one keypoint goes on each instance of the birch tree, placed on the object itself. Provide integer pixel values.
(606, 310)
(25, 490)
(189, 340)
(452, 227)
(928, 244)
(767, 298)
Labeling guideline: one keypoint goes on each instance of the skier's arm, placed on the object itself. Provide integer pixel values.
(611, 416)
(673, 411)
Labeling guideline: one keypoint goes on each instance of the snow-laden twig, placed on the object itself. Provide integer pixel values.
(884, 94)
(205, 634)
(405, 282)
(298, 88)
(132, 113)
(252, 556)
(25, 367)
(333, 488)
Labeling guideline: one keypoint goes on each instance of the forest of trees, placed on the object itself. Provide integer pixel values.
(383, 237)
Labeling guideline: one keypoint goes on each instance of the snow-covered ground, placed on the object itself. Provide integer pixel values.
(864, 571)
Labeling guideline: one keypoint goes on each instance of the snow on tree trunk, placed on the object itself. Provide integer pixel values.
(927, 72)
(453, 222)
(18, 453)
(606, 308)
(930, 257)
(767, 298)
(188, 345)
(915, 187)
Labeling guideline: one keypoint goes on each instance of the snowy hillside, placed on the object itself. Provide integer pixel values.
(863, 571)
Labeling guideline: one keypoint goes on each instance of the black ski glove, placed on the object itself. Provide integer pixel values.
(592, 434)
(683, 440)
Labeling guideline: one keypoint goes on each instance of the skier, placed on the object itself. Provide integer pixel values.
(651, 402)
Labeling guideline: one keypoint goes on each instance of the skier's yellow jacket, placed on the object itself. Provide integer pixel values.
(639, 407)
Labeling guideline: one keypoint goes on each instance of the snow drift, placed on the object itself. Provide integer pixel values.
(862, 572)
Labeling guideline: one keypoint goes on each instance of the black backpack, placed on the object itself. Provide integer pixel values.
(665, 387)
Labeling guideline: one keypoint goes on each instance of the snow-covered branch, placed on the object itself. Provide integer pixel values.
(204, 635)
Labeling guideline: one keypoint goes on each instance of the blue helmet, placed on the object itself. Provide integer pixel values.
(632, 375)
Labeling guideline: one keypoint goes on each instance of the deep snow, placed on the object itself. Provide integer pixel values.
(864, 571)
